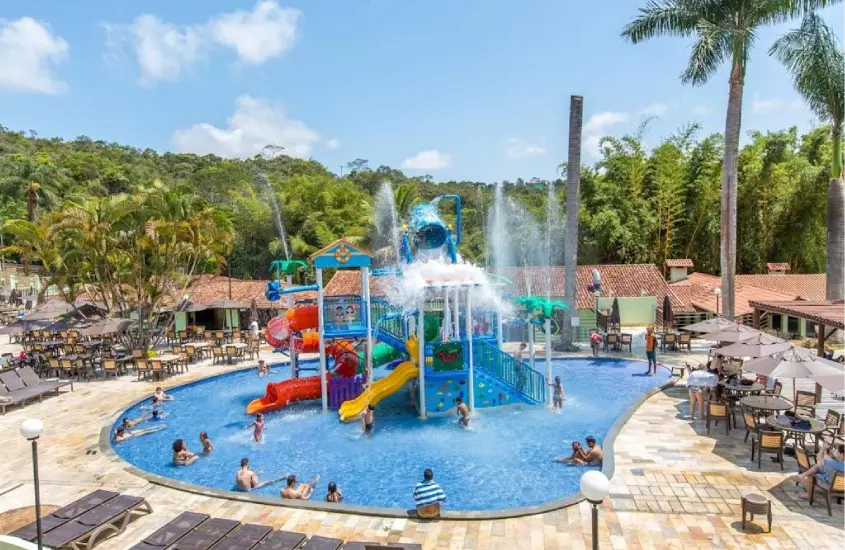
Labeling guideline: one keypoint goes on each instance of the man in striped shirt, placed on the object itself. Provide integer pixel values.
(428, 495)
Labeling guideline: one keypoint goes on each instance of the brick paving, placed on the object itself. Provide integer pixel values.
(674, 486)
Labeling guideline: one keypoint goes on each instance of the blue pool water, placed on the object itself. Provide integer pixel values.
(503, 461)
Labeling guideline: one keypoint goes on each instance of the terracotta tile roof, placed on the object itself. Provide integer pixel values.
(209, 288)
(809, 286)
(686, 262)
(697, 290)
(616, 280)
(778, 267)
(828, 312)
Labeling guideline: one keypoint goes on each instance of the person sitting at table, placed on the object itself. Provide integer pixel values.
(829, 460)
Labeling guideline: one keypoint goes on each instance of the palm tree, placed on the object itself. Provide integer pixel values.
(573, 184)
(407, 195)
(32, 179)
(725, 31)
(814, 57)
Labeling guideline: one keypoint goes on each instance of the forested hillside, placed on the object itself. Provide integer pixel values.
(639, 203)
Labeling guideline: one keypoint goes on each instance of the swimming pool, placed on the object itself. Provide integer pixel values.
(504, 461)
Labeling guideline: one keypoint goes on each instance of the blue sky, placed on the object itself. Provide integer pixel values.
(470, 89)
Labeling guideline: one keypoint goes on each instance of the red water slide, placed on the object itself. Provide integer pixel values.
(280, 394)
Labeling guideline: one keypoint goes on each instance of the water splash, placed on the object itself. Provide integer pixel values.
(277, 211)
(499, 249)
(387, 224)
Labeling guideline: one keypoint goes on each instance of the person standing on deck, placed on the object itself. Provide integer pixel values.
(651, 351)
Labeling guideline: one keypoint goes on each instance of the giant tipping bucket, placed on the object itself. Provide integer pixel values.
(427, 227)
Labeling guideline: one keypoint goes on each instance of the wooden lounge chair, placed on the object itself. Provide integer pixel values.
(172, 531)
(322, 543)
(102, 521)
(245, 537)
(206, 535)
(282, 540)
(65, 514)
(33, 381)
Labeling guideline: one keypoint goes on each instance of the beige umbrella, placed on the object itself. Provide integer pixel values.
(710, 325)
(797, 363)
(755, 347)
(107, 326)
(737, 333)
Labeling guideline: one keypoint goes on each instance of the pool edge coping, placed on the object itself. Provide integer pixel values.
(608, 469)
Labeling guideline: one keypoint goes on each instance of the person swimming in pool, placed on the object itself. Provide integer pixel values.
(593, 457)
(159, 396)
(207, 445)
(247, 480)
(303, 492)
(263, 369)
(258, 433)
(558, 396)
(368, 420)
(577, 454)
(463, 412)
(181, 455)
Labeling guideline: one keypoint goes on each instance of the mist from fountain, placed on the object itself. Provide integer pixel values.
(387, 222)
(277, 211)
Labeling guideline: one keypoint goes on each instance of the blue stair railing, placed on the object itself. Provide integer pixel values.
(518, 375)
(388, 320)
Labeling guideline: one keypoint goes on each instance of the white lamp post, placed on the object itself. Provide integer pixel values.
(595, 486)
(718, 293)
(31, 431)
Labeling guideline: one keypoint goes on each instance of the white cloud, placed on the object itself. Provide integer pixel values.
(655, 109)
(267, 31)
(431, 159)
(702, 110)
(766, 106)
(164, 50)
(28, 49)
(333, 143)
(255, 124)
(518, 149)
(597, 127)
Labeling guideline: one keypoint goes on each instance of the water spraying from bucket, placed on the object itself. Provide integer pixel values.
(277, 211)
(387, 222)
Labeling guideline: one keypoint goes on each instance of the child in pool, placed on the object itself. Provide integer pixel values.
(258, 434)
(207, 445)
(558, 396)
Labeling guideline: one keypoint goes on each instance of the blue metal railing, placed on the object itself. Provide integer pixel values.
(489, 359)
(393, 324)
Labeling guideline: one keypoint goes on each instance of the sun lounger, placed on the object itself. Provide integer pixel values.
(282, 540)
(15, 385)
(104, 520)
(8, 399)
(65, 514)
(245, 537)
(33, 381)
(379, 546)
(322, 543)
(172, 531)
(204, 536)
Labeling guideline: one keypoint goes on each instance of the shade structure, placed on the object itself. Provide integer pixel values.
(710, 325)
(795, 363)
(615, 318)
(739, 333)
(22, 326)
(667, 312)
(227, 304)
(755, 347)
(107, 326)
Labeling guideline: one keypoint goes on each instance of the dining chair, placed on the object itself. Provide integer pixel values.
(716, 411)
(768, 442)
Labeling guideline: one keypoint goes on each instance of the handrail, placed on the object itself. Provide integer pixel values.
(504, 367)
(393, 325)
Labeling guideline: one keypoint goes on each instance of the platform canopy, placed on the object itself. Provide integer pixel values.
(827, 314)
(341, 254)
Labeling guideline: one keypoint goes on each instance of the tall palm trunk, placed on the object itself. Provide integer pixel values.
(733, 122)
(835, 267)
(31, 199)
(573, 184)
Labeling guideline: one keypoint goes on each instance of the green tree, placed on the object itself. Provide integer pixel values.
(725, 31)
(814, 57)
(33, 179)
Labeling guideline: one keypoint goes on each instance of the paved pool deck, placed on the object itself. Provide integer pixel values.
(674, 485)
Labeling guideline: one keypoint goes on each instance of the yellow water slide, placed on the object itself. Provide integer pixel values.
(380, 389)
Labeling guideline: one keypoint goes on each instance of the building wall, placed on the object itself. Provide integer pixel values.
(633, 311)
(14, 276)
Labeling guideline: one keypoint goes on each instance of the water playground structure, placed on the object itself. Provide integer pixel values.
(426, 333)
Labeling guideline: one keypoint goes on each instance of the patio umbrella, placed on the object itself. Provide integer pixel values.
(614, 313)
(738, 333)
(253, 311)
(667, 312)
(834, 384)
(710, 325)
(22, 326)
(796, 363)
(107, 326)
(755, 347)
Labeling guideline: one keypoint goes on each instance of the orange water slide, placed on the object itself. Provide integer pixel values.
(280, 394)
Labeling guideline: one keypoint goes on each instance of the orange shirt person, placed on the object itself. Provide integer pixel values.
(651, 351)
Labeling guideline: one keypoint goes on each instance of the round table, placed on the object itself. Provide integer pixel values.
(784, 424)
(766, 403)
(741, 388)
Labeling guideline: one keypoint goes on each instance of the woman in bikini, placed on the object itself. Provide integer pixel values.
(258, 434)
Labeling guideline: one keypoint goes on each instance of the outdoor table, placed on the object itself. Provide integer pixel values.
(785, 424)
(741, 388)
(766, 403)
(92, 344)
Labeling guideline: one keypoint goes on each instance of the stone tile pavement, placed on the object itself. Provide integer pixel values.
(675, 486)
